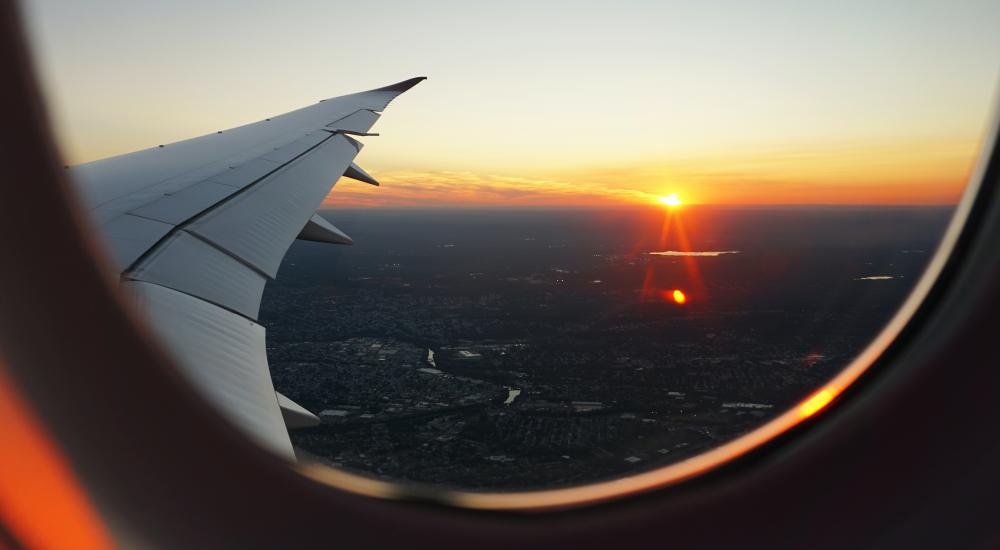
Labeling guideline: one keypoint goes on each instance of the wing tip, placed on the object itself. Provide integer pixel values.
(401, 87)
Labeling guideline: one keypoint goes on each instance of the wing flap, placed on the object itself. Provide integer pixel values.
(220, 278)
(222, 354)
(260, 224)
(129, 237)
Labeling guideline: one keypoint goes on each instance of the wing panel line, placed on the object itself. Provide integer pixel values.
(183, 224)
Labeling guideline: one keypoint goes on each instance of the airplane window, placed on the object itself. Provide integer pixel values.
(608, 238)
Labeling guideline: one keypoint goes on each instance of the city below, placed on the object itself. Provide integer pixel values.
(510, 350)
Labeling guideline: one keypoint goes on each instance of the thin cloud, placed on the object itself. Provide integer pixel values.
(453, 188)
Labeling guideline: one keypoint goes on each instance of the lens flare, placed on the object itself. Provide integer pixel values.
(817, 402)
(679, 297)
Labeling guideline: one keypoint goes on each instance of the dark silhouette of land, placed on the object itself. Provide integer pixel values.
(537, 348)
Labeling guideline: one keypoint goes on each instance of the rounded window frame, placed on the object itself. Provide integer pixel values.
(846, 385)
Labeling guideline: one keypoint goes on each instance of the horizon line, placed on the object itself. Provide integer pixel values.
(627, 206)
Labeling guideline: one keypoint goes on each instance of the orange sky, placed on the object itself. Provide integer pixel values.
(583, 103)
(903, 173)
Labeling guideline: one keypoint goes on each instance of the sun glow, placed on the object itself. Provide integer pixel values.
(671, 200)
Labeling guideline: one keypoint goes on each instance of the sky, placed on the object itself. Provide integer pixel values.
(580, 103)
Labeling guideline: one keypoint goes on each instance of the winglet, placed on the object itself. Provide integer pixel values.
(401, 87)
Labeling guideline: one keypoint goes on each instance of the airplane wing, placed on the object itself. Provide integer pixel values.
(196, 229)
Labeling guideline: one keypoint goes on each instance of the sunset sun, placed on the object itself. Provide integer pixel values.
(671, 200)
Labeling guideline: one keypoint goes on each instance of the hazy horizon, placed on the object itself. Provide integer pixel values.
(566, 104)
(627, 207)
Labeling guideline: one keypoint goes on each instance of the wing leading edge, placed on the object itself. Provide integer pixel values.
(196, 229)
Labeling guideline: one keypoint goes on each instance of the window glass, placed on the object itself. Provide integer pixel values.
(609, 236)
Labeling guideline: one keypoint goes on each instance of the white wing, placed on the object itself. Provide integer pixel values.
(197, 227)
